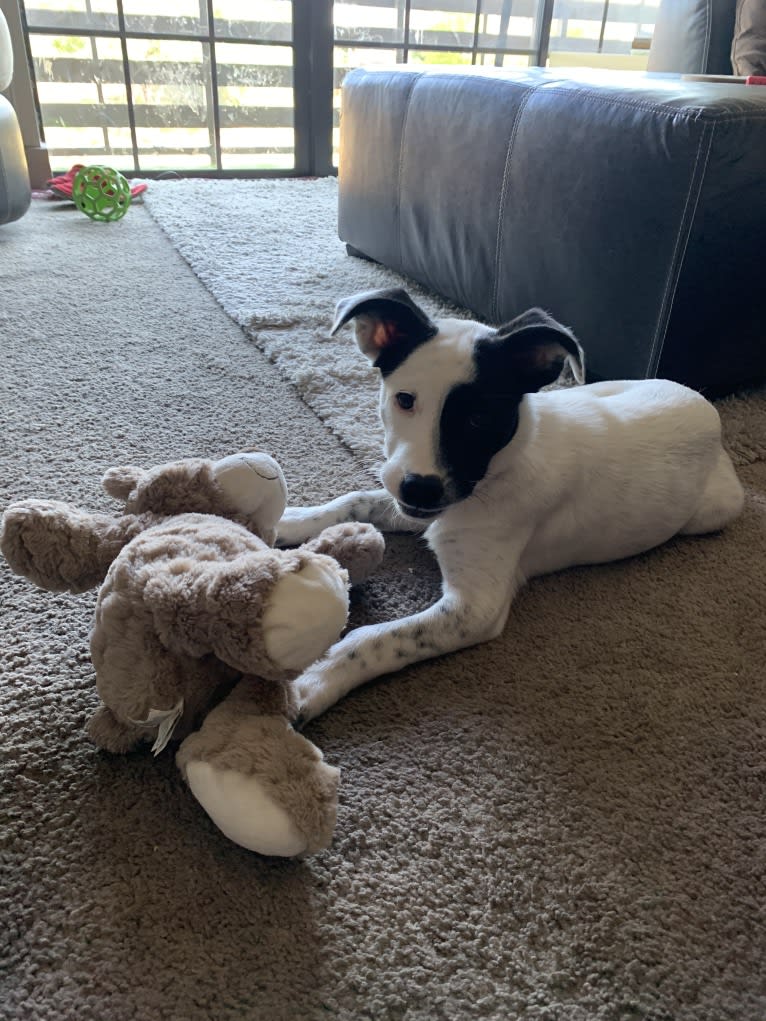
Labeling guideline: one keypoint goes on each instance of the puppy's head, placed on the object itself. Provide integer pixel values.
(451, 390)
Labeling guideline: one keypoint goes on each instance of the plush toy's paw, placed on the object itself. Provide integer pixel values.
(264, 786)
(243, 811)
(111, 734)
(356, 545)
(254, 485)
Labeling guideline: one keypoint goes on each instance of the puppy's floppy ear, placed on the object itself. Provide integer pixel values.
(539, 347)
(385, 319)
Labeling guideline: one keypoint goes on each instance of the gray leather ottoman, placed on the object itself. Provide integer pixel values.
(632, 207)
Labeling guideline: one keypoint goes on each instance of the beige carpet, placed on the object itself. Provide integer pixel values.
(567, 823)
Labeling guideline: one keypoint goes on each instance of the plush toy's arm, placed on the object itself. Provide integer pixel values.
(61, 548)
(356, 546)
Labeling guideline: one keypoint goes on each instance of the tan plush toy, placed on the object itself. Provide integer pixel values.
(201, 626)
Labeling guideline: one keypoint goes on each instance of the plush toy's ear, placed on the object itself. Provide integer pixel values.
(535, 348)
(388, 324)
(253, 485)
(120, 482)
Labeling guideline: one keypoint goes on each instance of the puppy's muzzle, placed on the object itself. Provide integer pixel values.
(421, 496)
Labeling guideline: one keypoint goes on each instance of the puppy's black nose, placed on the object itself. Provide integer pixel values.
(424, 491)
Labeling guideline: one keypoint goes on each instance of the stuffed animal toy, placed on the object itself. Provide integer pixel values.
(200, 627)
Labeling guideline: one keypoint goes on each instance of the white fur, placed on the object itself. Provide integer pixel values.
(428, 373)
(594, 473)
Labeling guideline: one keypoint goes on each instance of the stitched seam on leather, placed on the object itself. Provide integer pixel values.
(687, 112)
(504, 82)
(503, 193)
(696, 112)
(684, 228)
(407, 99)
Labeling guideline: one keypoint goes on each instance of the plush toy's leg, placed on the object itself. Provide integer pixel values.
(265, 786)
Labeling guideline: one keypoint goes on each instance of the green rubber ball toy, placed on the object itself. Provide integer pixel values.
(101, 193)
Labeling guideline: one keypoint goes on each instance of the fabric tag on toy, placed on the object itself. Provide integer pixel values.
(167, 726)
(165, 720)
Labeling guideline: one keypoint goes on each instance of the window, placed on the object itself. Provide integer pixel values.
(501, 33)
(244, 87)
(202, 87)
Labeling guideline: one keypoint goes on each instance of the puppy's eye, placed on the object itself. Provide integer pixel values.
(479, 420)
(405, 401)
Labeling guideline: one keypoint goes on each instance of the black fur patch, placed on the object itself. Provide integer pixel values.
(479, 417)
(390, 358)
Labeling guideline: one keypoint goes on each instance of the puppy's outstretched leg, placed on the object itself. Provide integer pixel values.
(374, 506)
(478, 588)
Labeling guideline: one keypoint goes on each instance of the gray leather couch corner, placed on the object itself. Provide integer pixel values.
(15, 192)
(631, 206)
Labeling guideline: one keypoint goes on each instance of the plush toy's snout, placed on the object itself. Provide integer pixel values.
(305, 613)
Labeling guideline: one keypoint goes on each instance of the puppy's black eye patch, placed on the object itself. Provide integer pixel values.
(406, 401)
(477, 420)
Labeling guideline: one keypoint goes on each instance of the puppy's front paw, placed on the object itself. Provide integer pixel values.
(313, 696)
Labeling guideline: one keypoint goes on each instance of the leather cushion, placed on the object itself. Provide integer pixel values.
(693, 37)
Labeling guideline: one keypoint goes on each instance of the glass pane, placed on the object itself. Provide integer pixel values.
(513, 61)
(266, 20)
(417, 57)
(579, 28)
(379, 22)
(432, 26)
(508, 25)
(178, 17)
(83, 100)
(255, 96)
(172, 101)
(502, 24)
(96, 15)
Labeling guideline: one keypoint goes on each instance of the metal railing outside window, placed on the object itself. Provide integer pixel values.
(236, 87)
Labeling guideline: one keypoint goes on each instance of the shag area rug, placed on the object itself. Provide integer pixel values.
(270, 255)
(565, 824)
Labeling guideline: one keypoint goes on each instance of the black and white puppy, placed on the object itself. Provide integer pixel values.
(508, 483)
